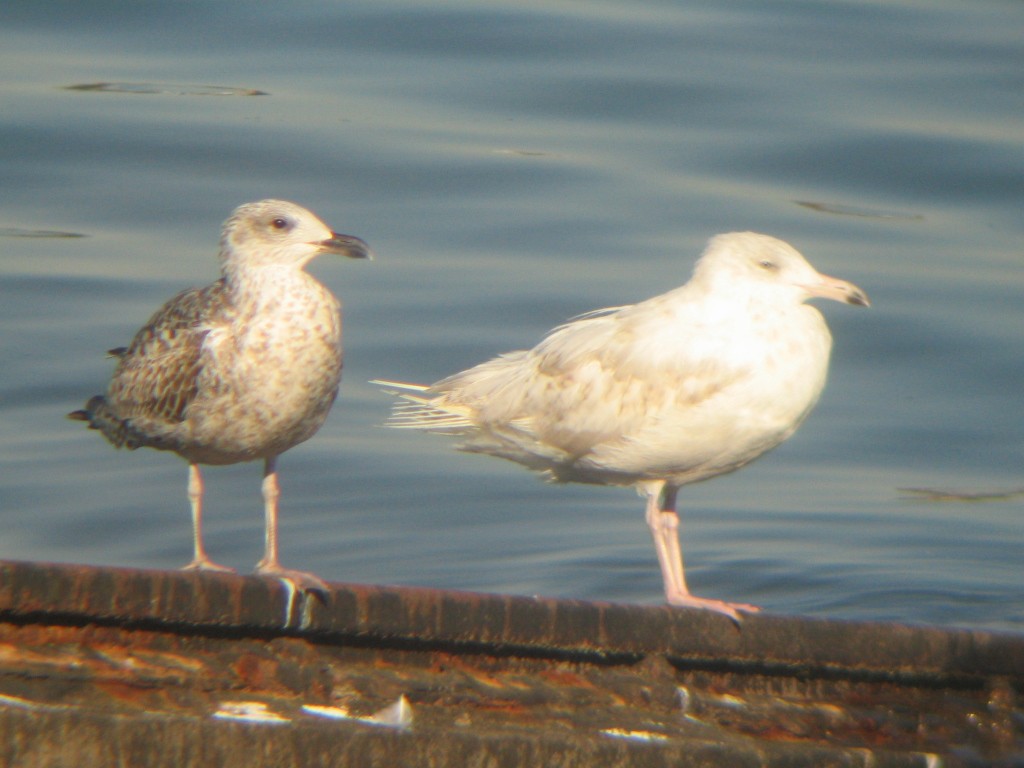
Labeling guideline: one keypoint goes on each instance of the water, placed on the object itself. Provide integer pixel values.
(514, 164)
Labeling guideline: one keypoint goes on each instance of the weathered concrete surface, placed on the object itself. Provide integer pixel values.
(116, 667)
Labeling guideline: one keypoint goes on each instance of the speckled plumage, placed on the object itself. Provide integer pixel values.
(682, 387)
(242, 369)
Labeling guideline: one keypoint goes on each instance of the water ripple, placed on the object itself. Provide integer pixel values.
(166, 89)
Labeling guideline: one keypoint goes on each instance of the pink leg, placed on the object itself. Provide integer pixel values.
(664, 524)
(269, 565)
(200, 560)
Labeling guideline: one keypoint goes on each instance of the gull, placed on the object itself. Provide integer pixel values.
(240, 370)
(688, 385)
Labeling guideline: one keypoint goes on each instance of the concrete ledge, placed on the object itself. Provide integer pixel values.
(102, 666)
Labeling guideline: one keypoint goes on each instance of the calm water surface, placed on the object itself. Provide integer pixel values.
(514, 164)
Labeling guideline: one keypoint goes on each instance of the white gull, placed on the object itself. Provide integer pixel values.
(240, 370)
(685, 386)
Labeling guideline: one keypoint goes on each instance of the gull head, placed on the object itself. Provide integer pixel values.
(277, 232)
(760, 266)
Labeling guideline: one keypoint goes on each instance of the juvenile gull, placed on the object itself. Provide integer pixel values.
(240, 370)
(682, 387)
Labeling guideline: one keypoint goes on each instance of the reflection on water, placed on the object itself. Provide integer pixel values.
(166, 89)
(18, 232)
(935, 494)
(513, 165)
(852, 210)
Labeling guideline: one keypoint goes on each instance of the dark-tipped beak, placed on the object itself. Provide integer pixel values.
(838, 290)
(346, 245)
(858, 298)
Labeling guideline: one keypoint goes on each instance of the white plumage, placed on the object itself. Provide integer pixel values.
(242, 369)
(682, 387)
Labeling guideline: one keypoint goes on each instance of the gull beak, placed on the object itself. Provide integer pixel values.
(839, 290)
(346, 245)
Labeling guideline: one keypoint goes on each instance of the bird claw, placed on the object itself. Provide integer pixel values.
(732, 610)
(205, 564)
(298, 585)
(303, 580)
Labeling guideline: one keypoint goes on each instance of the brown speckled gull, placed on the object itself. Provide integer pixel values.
(691, 384)
(240, 370)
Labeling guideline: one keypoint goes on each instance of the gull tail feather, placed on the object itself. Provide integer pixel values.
(99, 415)
(424, 411)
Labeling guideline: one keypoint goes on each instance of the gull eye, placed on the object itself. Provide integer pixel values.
(280, 223)
(768, 265)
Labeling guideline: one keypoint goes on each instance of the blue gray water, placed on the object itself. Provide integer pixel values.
(514, 164)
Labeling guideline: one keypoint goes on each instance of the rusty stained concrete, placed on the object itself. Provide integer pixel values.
(104, 666)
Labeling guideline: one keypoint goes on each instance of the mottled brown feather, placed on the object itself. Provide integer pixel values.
(157, 374)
